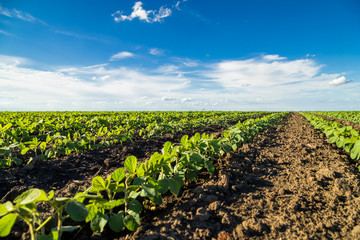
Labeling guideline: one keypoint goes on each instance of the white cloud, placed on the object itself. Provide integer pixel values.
(121, 55)
(75, 88)
(73, 34)
(339, 81)
(97, 66)
(14, 13)
(274, 57)
(139, 12)
(310, 55)
(187, 62)
(6, 33)
(168, 99)
(262, 72)
(177, 4)
(156, 51)
(163, 13)
(250, 84)
(168, 69)
(186, 99)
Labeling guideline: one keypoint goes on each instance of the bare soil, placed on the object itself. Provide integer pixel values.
(67, 174)
(287, 183)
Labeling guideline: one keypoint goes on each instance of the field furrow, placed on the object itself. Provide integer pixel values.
(68, 174)
(288, 183)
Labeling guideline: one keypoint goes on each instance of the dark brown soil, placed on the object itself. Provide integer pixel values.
(69, 174)
(288, 183)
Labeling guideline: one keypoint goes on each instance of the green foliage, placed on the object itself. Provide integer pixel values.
(343, 136)
(116, 200)
(51, 134)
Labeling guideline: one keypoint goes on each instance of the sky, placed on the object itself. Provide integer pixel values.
(175, 55)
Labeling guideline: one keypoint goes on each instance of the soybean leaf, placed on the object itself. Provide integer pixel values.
(184, 140)
(24, 150)
(141, 170)
(116, 222)
(139, 180)
(166, 147)
(6, 224)
(148, 191)
(196, 157)
(77, 210)
(66, 228)
(210, 167)
(130, 164)
(107, 182)
(9, 206)
(98, 184)
(3, 210)
(135, 206)
(53, 235)
(112, 204)
(30, 196)
(174, 186)
(132, 222)
(197, 137)
(157, 199)
(355, 150)
(51, 195)
(93, 210)
(192, 175)
(118, 175)
(163, 186)
(99, 222)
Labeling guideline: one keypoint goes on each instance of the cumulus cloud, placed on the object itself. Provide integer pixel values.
(186, 99)
(121, 55)
(274, 57)
(262, 72)
(27, 88)
(14, 13)
(139, 12)
(168, 99)
(250, 84)
(339, 81)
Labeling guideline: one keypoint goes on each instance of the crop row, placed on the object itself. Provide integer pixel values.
(118, 200)
(25, 136)
(353, 116)
(343, 136)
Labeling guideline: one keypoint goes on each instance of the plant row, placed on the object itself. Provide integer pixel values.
(353, 116)
(343, 136)
(117, 201)
(28, 135)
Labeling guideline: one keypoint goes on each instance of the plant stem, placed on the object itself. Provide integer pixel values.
(31, 229)
(59, 224)
(48, 219)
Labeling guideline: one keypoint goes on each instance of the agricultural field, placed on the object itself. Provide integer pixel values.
(179, 175)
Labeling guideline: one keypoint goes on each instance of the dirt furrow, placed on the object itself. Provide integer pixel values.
(288, 183)
(70, 174)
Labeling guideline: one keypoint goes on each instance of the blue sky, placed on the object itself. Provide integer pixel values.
(180, 55)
